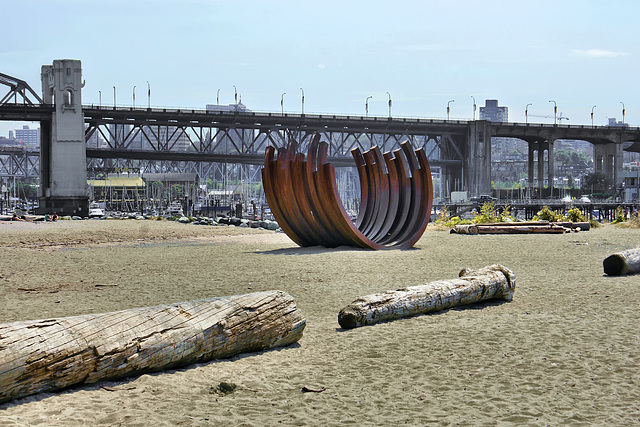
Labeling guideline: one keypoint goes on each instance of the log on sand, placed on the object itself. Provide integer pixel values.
(625, 262)
(509, 228)
(47, 355)
(491, 282)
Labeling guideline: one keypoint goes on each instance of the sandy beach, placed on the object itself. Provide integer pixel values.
(566, 350)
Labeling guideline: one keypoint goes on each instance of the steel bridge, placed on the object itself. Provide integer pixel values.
(204, 142)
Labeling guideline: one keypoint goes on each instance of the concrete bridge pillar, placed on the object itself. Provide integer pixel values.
(607, 159)
(63, 161)
(478, 159)
(540, 147)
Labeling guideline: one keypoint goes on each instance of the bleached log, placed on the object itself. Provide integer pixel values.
(465, 229)
(47, 355)
(582, 225)
(509, 228)
(491, 282)
(625, 262)
(530, 229)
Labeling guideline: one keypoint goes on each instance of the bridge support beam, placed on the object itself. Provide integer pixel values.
(478, 158)
(540, 147)
(607, 159)
(63, 160)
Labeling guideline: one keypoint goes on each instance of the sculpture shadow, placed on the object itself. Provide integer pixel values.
(315, 250)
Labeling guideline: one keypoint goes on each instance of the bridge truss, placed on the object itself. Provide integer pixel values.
(196, 141)
(19, 163)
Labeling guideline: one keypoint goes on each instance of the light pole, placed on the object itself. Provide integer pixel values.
(148, 95)
(389, 104)
(302, 90)
(235, 91)
(134, 97)
(282, 101)
(218, 97)
(100, 98)
(449, 108)
(114, 97)
(526, 113)
(592, 114)
(474, 107)
(366, 106)
(555, 112)
(623, 111)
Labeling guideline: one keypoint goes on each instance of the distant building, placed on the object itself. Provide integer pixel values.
(227, 142)
(231, 107)
(492, 112)
(612, 122)
(29, 137)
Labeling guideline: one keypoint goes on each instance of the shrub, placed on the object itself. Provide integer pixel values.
(619, 216)
(574, 215)
(487, 214)
(546, 214)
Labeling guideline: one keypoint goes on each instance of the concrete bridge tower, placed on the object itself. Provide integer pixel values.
(478, 158)
(607, 159)
(63, 158)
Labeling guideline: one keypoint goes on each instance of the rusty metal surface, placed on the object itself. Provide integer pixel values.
(395, 188)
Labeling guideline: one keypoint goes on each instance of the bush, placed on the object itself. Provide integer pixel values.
(546, 214)
(619, 216)
(574, 215)
(487, 214)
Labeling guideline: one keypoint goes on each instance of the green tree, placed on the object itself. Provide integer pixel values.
(595, 182)
(570, 158)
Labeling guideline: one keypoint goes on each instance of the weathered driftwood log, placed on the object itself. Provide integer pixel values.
(492, 282)
(582, 225)
(47, 355)
(465, 229)
(625, 262)
(509, 228)
(529, 229)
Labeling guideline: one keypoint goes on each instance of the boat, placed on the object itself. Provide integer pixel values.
(175, 209)
(95, 211)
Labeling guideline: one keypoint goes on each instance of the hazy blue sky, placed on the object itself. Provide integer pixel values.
(425, 53)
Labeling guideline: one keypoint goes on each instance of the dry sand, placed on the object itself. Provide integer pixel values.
(564, 351)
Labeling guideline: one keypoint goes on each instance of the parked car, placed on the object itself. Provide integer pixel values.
(483, 198)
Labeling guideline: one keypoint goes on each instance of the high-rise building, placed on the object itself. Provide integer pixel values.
(29, 137)
(492, 112)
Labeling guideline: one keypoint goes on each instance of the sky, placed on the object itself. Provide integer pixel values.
(422, 54)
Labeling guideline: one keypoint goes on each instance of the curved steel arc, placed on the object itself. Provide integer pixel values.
(396, 196)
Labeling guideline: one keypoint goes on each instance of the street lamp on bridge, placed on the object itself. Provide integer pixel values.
(148, 95)
(474, 107)
(389, 104)
(449, 108)
(218, 97)
(555, 112)
(114, 97)
(366, 106)
(592, 114)
(100, 98)
(235, 91)
(134, 96)
(623, 111)
(526, 113)
(302, 90)
(282, 101)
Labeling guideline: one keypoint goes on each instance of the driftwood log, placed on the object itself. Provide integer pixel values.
(492, 282)
(47, 355)
(625, 262)
(532, 227)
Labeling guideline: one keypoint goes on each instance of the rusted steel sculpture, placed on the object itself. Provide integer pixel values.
(395, 205)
